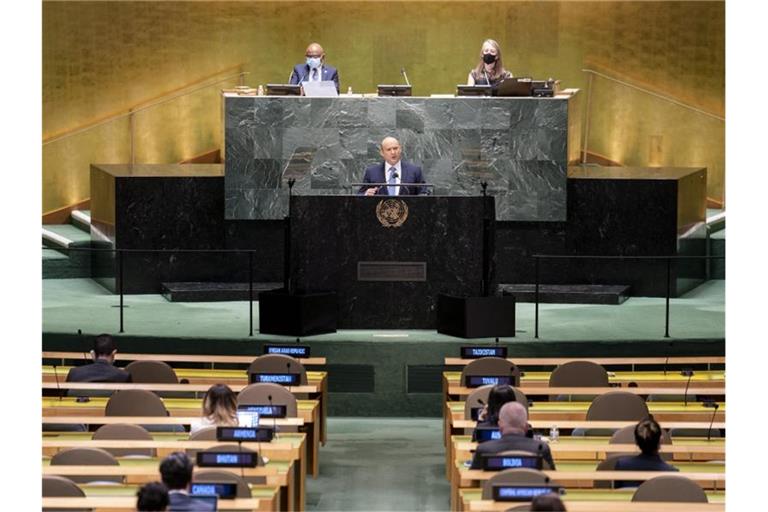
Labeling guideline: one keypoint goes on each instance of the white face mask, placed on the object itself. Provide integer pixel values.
(313, 62)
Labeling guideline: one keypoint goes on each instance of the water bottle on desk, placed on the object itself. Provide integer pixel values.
(554, 434)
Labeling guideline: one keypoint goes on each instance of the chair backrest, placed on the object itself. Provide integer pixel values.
(278, 363)
(479, 397)
(55, 486)
(670, 488)
(127, 432)
(492, 366)
(609, 464)
(579, 374)
(86, 457)
(617, 406)
(152, 372)
(626, 435)
(135, 402)
(259, 394)
(208, 476)
(513, 476)
(204, 434)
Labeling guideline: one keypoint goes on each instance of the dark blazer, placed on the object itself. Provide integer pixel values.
(179, 502)
(411, 174)
(98, 371)
(511, 442)
(301, 72)
(640, 462)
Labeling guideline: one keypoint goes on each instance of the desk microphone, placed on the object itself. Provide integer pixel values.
(58, 387)
(402, 72)
(715, 406)
(666, 360)
(687, 372)
(272, 413)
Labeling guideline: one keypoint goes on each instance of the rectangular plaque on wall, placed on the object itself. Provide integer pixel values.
(391, 271)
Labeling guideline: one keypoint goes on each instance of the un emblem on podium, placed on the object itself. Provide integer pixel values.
(392, 213)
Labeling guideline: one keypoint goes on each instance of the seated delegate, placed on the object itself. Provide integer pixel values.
(314, 69)
(489, 70)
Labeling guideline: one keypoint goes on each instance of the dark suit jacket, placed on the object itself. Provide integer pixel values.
(511, 442)
(178, 502)
(98, 371)
(640, 463)
(301, 72)
(411, 174)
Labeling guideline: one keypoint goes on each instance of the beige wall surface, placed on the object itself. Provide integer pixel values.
(101, 59)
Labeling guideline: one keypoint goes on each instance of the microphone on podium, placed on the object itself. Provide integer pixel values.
(402, 72)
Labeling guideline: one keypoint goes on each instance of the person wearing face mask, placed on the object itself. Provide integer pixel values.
(314, 69)
(490, 70)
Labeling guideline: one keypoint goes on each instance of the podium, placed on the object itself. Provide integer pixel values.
(389, 258)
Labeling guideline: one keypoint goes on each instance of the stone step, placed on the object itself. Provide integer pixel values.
(717, 248)
(62, 236)
(81, 219)
(213, 292)
(567, 293)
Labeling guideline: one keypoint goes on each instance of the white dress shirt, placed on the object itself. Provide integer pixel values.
(311, 72)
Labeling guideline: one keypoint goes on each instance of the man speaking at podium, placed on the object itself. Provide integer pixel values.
(393, 171)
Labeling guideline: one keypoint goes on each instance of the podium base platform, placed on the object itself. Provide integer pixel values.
(476, 317)
(297, 314)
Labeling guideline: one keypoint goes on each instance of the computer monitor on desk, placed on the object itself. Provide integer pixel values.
(394, 90)
(283, 90)
(514, 87)
(473, 90)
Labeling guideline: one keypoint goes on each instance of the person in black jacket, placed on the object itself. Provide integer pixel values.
(648, 439)
(513, 422)
(176, 472)
(489, 416)
(102, 369)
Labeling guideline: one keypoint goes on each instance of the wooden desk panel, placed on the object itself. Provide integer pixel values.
(211, 359)
(120, 503)
(68, 407)
(289, 447)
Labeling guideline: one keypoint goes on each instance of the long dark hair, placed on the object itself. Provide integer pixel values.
(220, 405)
(499, 395)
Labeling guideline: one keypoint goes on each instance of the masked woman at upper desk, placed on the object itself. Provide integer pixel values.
(489, 70)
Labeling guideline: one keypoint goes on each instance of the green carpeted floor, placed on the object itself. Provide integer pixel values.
(72, 304)
(381, 464)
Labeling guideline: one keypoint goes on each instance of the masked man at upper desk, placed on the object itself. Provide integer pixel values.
(393, 171)
(315, 69)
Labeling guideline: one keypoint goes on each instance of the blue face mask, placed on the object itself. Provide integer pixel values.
(313, 62)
